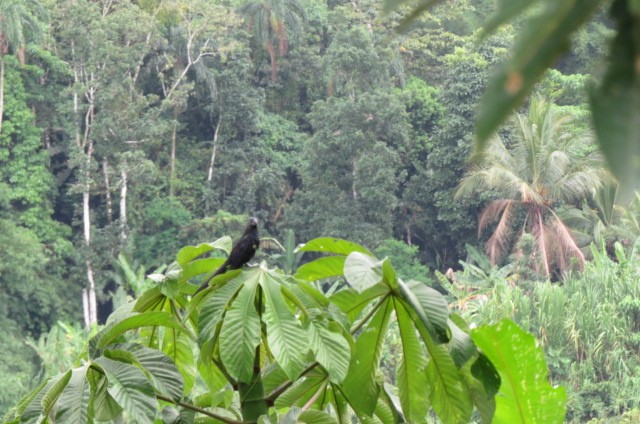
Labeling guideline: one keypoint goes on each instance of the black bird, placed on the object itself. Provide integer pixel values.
(241, 253)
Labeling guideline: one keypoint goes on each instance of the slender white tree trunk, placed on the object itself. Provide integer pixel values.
(213, 151)
(105, 172)
(172, 173)
(123, 206)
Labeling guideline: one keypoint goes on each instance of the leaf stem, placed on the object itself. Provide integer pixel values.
(198, 409)
(367, 317)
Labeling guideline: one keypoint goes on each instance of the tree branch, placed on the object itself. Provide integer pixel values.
(198, 409)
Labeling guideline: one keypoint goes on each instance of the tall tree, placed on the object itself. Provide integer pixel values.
(547, 165)
(20, 22)
(273, 23)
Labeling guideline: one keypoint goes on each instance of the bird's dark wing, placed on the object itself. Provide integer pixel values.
(241, 253)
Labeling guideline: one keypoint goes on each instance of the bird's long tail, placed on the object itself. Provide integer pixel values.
(208, 278)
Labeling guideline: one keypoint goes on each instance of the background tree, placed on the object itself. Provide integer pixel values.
(544, 166)
(20, 23)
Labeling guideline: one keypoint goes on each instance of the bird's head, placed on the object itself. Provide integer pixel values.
(253, 222)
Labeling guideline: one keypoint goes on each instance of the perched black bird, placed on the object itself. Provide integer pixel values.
(241, 253)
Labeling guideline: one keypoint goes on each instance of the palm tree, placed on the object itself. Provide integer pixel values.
(549, 163)
(19, 23)
(273, 22)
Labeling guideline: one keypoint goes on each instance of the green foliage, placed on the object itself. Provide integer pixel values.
(592, 355)
(265, 338)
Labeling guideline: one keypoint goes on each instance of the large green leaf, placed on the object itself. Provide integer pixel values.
(189, 253)
(131, 389)
(214, 307)
(525, 393)
(73, 405)
(240, 332)
(615, 103)
(32, 409)
(411, 373)
(198, 267)
(362, 271)
(302, 391)
(129, 322)
(450, 396)
(331, 349)
(360, 386)
(284, 332)
(180, 348)
(430, 307)
(55, 390)
(325, 267)
(14, 415)
(543, 38)
(333, 245)
(163, 374)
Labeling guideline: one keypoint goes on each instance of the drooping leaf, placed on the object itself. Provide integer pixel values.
(325, 267)
(360, 386)
(333, 245)
(240, 332)
(331, 350)
(73, 404)
(411, 373)
(189, 253)
(430, 307)
(362, 271)
(129, 322)
(543, 38)
(615, 103)
(103, 406)
(461, 346)
(130, 388)
(284, 331)
(525, 394)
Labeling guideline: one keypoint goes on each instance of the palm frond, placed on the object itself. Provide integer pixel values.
(498, 243)
(539, 232)
(566, 242)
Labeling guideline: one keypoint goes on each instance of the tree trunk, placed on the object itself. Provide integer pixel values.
(1, 90)
(123, 206)
(172, 173)
(213, 151)
(105, 171)
(90, 300)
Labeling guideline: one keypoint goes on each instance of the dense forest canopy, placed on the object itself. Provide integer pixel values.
(129, 129)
